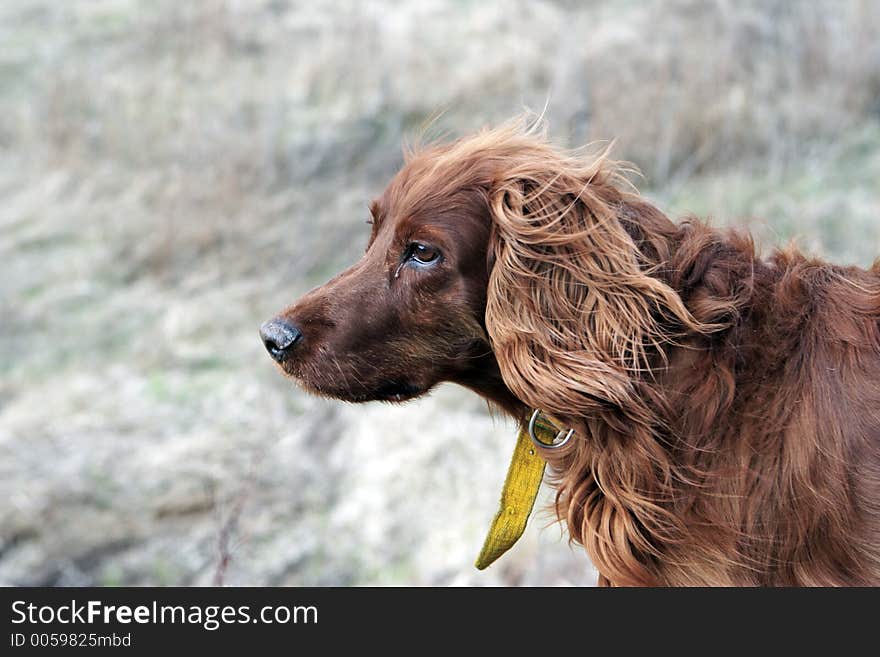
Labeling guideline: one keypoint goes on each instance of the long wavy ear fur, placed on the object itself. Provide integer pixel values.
(578, 323)
(573, 313)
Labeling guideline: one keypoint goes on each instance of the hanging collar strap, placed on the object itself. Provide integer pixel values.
(521, 485)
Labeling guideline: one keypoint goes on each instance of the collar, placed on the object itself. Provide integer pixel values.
(521, 485)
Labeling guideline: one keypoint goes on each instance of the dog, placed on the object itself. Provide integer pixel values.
(726, 407)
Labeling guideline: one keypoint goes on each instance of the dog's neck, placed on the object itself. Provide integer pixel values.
(484, 378)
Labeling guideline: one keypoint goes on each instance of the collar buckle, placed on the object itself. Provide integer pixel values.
(562, 437)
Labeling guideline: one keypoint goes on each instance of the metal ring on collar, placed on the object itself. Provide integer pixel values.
(554, 445)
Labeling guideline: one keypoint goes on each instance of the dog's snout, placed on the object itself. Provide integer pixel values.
(280, 338)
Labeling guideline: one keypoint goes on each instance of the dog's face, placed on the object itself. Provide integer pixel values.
(407, 316)
(494, 262)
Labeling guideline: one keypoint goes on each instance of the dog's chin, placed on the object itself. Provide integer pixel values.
(395, 391)
(391, 391)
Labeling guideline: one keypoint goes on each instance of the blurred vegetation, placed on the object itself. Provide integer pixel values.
(173, 173)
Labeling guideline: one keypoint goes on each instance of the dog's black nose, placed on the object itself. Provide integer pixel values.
(280, 337)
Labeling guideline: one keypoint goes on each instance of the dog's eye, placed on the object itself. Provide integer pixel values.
(423, 254)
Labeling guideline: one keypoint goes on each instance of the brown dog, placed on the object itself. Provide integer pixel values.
(726, 408)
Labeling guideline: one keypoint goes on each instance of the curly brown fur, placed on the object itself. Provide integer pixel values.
(727, 408)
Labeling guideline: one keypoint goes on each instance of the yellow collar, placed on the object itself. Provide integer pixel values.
(521, 486)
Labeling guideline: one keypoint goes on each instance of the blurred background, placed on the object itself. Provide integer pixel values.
(173, 173)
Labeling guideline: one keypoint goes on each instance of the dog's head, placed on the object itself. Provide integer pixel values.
(497, 262)
(410, 313)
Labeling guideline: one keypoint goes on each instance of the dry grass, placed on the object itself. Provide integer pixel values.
(172, 173)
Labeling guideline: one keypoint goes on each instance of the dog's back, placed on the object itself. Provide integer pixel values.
(825, 414)
(782, 414)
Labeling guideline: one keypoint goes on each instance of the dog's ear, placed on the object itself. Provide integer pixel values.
(572, 313)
